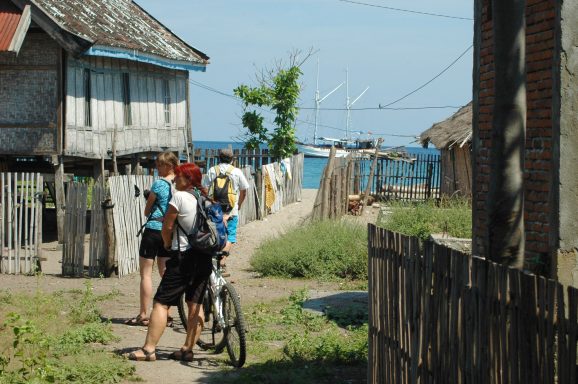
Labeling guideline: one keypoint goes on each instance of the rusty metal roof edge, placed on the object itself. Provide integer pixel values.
(37, 7)
(119, 53)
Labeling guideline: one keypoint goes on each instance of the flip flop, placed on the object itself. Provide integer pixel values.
(181, 355)
(148, 356)
(138, 321)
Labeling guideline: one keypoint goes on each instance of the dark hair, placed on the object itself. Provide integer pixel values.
(192, 172)
(225, 155)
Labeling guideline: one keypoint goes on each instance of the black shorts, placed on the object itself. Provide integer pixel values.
(151, 244)
(188, 273)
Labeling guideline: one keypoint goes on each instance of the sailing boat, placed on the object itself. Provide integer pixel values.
(322, 145)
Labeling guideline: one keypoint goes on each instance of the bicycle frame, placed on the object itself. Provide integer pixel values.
(216, 284)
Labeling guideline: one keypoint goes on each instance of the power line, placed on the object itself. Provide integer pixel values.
(381, 108)
(406, 10)
(429, 81)
(211, 89)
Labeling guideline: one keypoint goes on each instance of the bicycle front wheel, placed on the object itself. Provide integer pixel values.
(235, 328)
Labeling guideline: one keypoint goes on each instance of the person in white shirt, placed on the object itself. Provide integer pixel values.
(240, 187)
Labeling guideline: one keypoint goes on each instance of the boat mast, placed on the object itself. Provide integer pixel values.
(348, 104)
(318, 102)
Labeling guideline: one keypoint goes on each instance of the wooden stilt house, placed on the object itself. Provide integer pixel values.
(453, 138)
(84, 83)
(89, 86)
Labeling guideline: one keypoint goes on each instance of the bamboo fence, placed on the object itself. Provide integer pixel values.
(114, 244)
(20, 222)
(383, 178)
(439, 316)
(74, 229)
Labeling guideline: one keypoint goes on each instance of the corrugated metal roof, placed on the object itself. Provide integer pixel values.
(121, 25)
(9, 18)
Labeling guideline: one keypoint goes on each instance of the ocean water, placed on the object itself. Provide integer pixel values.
(312, 167)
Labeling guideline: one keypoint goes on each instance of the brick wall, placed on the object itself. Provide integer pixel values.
(28, 97)
(540, 49)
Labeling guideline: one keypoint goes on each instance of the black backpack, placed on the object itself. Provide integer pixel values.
(209, 233)
(221, 189)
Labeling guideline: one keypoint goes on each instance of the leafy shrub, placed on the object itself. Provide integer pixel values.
(451, 216)
(323, 250)
(48, 338)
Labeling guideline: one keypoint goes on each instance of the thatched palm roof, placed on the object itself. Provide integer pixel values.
(455, 130)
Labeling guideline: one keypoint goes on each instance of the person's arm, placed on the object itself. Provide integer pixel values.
(242, 195)
(243, 186)
(168, 226)
(150, 202)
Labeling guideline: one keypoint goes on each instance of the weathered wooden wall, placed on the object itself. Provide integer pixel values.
(148, 129)
(456, 172)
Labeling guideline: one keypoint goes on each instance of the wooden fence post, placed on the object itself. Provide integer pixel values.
(326, 184)
(371, 172)
(60, 198)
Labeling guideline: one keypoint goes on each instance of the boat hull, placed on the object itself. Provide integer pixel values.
(318, 151)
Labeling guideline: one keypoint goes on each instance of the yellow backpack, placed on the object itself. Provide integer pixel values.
(221, 189)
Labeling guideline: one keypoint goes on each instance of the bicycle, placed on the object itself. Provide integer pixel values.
(224, 324)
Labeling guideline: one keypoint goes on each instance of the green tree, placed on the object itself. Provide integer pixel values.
(278, 90)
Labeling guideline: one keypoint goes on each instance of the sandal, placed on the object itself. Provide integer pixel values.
(182, 355)
(224, 272)
(138, 321)
(170, 322)
(148, 356)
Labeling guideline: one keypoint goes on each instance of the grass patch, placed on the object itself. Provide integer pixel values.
(451, 216)
(57, 338)
(287, 344)
(323, 250)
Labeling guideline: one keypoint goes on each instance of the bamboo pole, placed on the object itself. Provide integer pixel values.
(326, 184)
(371, 172)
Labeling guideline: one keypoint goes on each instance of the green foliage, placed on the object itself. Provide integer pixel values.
(280, 94)
(290, 345)
(453, 217)
(48, 338)
(324, 250)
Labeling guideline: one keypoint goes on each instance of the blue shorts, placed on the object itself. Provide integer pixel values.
(232, 229)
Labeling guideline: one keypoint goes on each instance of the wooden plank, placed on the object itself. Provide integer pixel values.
(561, 323)
(550, 331)
(10, 222)
(572, 333)
(3, 224)
(18, 180)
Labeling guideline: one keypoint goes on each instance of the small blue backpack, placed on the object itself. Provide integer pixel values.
(209, 234)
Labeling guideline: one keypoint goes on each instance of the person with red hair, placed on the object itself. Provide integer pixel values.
(187, 271)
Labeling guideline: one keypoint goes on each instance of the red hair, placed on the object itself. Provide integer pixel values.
(192, 173)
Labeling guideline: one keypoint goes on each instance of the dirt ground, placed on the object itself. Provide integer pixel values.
(251, 288)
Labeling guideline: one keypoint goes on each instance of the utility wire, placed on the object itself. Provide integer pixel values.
(211, 89)
(406, 10)
(429, 81)
(384, 108)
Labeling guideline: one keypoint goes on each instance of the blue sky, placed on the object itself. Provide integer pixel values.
(391, 52)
